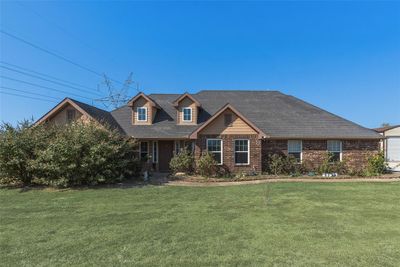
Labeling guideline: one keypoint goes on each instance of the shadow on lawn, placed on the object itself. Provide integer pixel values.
(126, 184)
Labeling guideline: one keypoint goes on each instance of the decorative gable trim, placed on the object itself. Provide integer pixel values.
(136, 97)
(261, 134)
(179, 99)
(59, 107)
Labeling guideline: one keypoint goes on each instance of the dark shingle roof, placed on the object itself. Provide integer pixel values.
(98, 114)
(385, 128)
(276, 114)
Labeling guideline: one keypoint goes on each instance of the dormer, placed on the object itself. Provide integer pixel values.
(143, 109)
(187, 109)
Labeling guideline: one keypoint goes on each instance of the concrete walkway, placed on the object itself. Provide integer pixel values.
(283, 180)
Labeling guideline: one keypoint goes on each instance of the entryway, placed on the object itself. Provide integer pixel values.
(165, 149)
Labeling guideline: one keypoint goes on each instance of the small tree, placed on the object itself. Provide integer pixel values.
(377, 164)
(206, 165)
(182, 162)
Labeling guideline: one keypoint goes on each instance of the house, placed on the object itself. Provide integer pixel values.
(239, 128)
(390, 145)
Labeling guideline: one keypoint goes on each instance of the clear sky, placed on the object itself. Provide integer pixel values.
(341, 56)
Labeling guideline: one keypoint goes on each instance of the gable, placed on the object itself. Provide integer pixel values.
(60, 116)
(393, 132)
(217, 126)
(186, 96)
(151, 110)
(186, 102)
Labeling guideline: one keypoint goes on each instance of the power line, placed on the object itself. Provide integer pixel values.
(55, 55)
(29, 97)
(44, 87)
(27, 92)
(46, 75)
(64, 30)
(58, 83)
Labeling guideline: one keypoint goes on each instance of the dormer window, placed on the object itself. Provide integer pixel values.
(187, 114)
(142, 113)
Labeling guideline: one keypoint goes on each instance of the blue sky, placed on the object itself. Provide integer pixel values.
(341, 56)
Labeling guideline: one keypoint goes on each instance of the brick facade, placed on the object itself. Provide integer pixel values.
(228, 151)
(355, 153)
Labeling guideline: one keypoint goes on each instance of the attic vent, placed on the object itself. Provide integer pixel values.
(228, 119)
(70, 115)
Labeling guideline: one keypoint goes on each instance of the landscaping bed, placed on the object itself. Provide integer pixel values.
(201, 179)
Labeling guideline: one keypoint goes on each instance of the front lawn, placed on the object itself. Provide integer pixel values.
(302, 224)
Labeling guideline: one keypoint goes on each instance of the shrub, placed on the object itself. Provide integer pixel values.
(281, 164)
(74, 154)
(19, 147)
(206, 165)
(86, 154)
(330, 166)
(377, 164)
(182, 162)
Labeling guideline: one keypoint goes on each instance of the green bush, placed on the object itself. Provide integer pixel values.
(19, 147)
(328, 165)
(182, 162)
(377, 164)
(206, 165)
(74, 154)
(282, 164)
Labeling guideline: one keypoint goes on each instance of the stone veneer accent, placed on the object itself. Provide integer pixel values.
(229, 149)
(355, 153)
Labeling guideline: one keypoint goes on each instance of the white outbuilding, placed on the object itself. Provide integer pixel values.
(391, 145)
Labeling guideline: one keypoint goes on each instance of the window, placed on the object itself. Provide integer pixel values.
(242, 152)
(187, 114)
(189, 146)
(155, 152)
(335, 148)
(70, 115)
(177, 147)
(294, 149)
(142, 114)
(214, 146)
(228, 120)
(144, 150)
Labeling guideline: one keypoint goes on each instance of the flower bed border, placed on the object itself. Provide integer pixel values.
(266, 178)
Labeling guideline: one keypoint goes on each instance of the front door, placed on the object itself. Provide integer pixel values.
(165, 154)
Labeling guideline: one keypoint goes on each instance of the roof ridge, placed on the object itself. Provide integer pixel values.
(80, 102)
(239, 90)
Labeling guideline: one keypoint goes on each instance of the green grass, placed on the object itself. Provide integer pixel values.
(280, 224)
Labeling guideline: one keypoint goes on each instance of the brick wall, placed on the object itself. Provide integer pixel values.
(229, 149)
(354, 152)
(357, 152)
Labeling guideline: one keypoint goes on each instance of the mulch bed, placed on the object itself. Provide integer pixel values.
(194, 180)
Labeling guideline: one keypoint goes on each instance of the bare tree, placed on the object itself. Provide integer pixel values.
(385, 124)
(116, 96)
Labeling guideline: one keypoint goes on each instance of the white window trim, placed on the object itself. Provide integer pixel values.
(248, 152)
(341, 148)
(222, 149)
(183, 114)
(301, 149)
(137, 113)
(152, 156)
